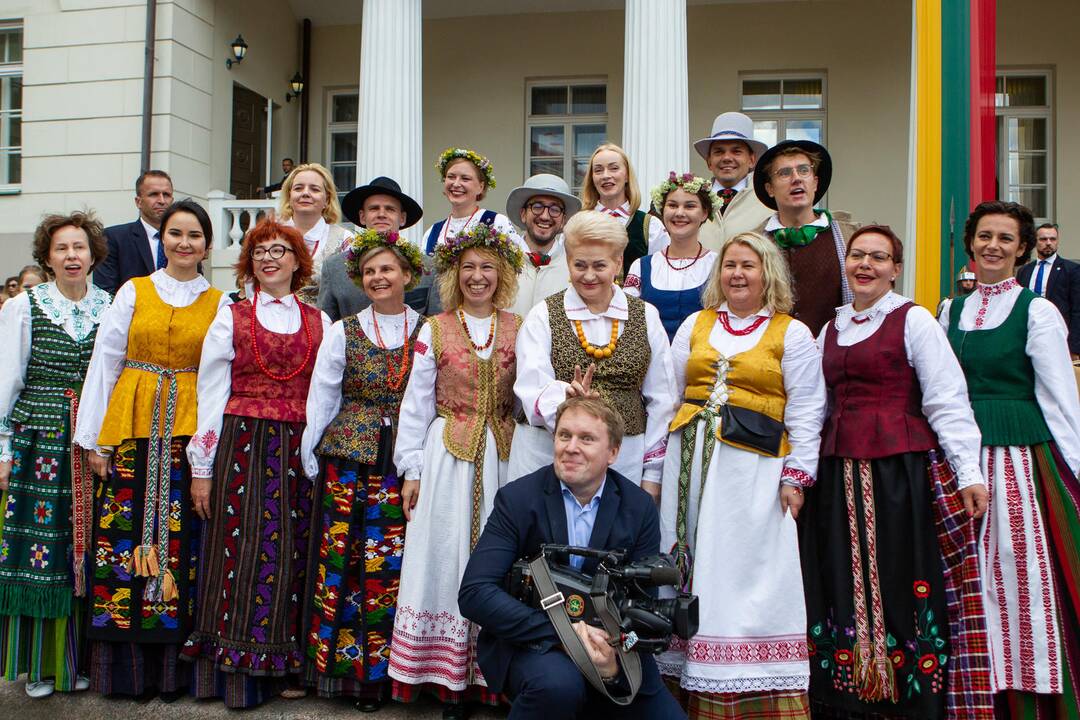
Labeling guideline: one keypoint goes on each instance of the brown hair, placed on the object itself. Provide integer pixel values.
(450, 286)
(480, 176)
(272, 230)
(589, 194)
(813, 157)
(600, 410)
(894, 239)
(85, 221)
(148, 174)
(1016, 211)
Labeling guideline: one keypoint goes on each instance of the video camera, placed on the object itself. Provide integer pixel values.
(646, 624)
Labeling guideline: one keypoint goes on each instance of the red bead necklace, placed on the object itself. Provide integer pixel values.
(700, 252)
(465, 327)
(255, 344)
(758, 322)
(394, 378)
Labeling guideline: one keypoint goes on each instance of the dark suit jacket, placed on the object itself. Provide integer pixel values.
(1062, 289)
(529, 512)
(129, 256)
(339, 297)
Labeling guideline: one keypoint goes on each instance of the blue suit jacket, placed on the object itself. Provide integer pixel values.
(529, 512)
(1062, 289)
(129, 256)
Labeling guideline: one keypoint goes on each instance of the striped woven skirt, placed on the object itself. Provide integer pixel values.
(246, 639)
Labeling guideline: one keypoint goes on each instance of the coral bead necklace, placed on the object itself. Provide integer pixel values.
(258, 356)
(394, 377)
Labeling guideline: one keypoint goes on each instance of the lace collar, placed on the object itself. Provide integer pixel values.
(169, 284)
(83, 315)
(888, 302)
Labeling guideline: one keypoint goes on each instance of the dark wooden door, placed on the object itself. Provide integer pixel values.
(247, 165)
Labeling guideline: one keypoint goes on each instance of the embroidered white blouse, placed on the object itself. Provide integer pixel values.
(658, 236)
(214, 384)
(77, 318)
(418, 405)
(686, 274)
(804, 383)
(541, 394)
(110, 347)
(324, 394)
(1047, 346)
(944, 390)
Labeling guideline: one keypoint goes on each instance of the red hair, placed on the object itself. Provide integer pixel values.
(269, 229)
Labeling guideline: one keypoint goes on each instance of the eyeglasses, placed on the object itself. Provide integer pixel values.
(538, 208)
(804, 171)
(274, 252)
(877, 257)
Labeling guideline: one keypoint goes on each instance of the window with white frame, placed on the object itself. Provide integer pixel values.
(342, 111)
(1025, 138)
(788, 106)
(566, 121)
(11, 76)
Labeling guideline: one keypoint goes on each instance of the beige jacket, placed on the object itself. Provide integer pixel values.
(744, 214)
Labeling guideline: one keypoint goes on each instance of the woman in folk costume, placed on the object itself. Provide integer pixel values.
(612, 188)
(743, 445)
(466, 178)
(593, 322)
(887, 535)
(248, 483)
(138, 412)
(309, 203)
(47, 489)
(358, 527)
(456, 427)
(1012, 347)
(673, 279)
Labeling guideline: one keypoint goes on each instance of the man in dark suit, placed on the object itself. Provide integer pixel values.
(1057, 280)
(135, 248)
(380, 205)
(579, 500)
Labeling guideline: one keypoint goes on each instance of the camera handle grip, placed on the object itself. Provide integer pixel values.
(554, 604)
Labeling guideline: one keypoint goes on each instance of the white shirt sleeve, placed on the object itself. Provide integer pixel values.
(417, 409)
(945, 400)
(658, 234)
(680, 356)
(804, 413)
(214, 387)
(15, 329)
(324, 394)
(1055, 379)
(536, 387)
(106, 363)
(632, 283)
(659, 391)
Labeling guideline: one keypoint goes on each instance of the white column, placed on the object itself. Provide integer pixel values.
(656, 110)
(389, 136)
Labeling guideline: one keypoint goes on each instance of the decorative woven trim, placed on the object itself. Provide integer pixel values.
(745, 685)
(795, 475)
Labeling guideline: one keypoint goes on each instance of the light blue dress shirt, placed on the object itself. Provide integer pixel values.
(580, 520)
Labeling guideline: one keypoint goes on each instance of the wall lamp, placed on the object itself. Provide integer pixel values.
(239, 50)
(297, 87)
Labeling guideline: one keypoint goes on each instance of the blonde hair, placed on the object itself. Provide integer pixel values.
(595, 228)
(331, 213)
(774, 274)
(589, 195)
(450, 284)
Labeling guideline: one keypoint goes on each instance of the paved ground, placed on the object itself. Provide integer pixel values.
(15, 705)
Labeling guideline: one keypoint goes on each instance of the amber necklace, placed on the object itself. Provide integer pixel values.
(598, 352)
(394, 378)
(258, 356)
(465, 327)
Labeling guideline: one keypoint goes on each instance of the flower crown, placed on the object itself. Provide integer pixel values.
(687, 182)
(480, 235)
(368, 239)
(451, 154)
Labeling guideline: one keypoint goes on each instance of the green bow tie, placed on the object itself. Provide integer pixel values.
(791, 237)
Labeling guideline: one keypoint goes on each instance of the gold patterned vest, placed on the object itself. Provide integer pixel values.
(474, 394)
(755, 379)
(618, 378)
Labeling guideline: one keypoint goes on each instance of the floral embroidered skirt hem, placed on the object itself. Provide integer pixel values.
(251, 571)
(354, 567)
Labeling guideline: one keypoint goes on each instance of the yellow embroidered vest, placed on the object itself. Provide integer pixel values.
(163, 335)
(755, 380)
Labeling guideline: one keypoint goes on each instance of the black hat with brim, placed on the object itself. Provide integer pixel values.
(353, 202)
(762, 169)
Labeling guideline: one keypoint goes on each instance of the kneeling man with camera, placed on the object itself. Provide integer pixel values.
(572, 639)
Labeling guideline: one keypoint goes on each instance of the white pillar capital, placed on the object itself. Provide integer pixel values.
(656, 133)
(390, 126)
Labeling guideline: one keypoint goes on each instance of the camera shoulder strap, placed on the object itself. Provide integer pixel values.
(554, 604)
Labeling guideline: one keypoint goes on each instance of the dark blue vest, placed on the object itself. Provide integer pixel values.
(674, 306)
(487, 217)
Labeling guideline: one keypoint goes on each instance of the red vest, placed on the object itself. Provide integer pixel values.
(876, 396)
(254, 394)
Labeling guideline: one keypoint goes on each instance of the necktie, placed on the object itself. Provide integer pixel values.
(726, 194)
(1039, 277)
(539, 259)
(161, 259)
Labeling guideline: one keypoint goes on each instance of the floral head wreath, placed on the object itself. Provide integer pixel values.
(481, 162)
(480, 235)
(369, 239)
(687, 182)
